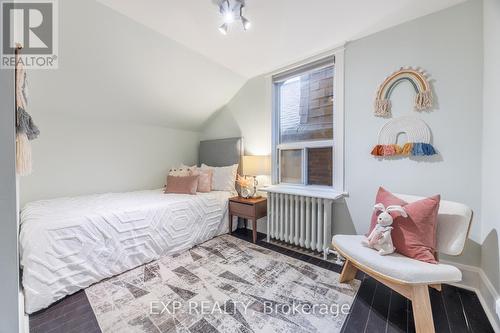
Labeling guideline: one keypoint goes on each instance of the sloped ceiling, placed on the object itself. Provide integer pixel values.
(283, 31)
(114, 69)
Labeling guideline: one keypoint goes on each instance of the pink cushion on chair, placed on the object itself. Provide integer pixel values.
(182, 185)
(413, 236)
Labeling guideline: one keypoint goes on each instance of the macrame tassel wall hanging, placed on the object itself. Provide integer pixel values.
(417, 78)
(26, 130)
(23, 155)
(417, 133)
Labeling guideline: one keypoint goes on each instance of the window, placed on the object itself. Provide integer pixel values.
(291, 166)
(306, 106)
(305, 112)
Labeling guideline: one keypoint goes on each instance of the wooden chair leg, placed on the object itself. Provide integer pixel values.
(436, 286)
(348, 272)
(422, 310)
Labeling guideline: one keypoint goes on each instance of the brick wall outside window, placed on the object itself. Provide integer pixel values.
(319, 166)
(307, 107)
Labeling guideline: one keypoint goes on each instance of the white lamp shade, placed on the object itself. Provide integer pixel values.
(256, 165)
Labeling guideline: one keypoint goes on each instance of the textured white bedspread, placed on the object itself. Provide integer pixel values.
(70, 243)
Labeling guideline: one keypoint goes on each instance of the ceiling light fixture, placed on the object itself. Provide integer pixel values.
(232, 10)
(246, 23)
(227, 12)
(223, 29)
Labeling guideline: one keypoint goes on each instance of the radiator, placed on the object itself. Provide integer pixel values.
(300, 220)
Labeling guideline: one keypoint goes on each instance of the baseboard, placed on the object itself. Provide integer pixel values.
(474, 278)
(24, 319)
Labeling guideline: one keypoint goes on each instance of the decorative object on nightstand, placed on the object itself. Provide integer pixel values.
(256, 166)
(246, 186)
(246, 192)
(251, 209)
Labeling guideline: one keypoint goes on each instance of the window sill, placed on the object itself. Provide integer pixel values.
(307, 191)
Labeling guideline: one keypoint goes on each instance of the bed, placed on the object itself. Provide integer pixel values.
(67, 244)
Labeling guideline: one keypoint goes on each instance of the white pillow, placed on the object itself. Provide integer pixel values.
(223, 178)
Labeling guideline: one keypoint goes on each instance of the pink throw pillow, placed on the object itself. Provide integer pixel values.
(415, 235)
(178, 172)
(182, 185)
(204, 179)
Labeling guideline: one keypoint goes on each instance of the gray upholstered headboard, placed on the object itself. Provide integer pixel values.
(221, 152)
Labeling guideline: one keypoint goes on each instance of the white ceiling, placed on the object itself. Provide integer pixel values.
(283, 31)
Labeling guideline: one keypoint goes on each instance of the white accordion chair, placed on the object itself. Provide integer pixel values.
(411, 278)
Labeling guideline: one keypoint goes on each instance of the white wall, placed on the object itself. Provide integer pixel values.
(9, 254)
(491, 138)
(246, 114)
(448, 45)
(75, 156)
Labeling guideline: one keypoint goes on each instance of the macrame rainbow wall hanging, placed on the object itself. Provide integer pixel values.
(417, 78)
(416, 130)
(418, 138)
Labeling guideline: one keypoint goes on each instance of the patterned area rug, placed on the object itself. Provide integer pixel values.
(223, 285)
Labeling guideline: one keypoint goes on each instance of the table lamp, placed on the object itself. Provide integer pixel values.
(256, 166)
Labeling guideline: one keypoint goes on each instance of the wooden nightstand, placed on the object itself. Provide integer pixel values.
(251, 209)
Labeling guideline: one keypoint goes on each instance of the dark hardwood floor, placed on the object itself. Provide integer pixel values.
(72, 314)
(375, 309)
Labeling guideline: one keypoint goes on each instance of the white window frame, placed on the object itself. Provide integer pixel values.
(337, 143)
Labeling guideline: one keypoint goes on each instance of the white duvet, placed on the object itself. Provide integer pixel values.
(68, 244)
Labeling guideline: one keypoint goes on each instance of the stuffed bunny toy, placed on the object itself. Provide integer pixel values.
(380, 238)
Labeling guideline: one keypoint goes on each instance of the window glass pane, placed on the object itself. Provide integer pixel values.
(291, 166)
(306, 106)
(319, 166)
